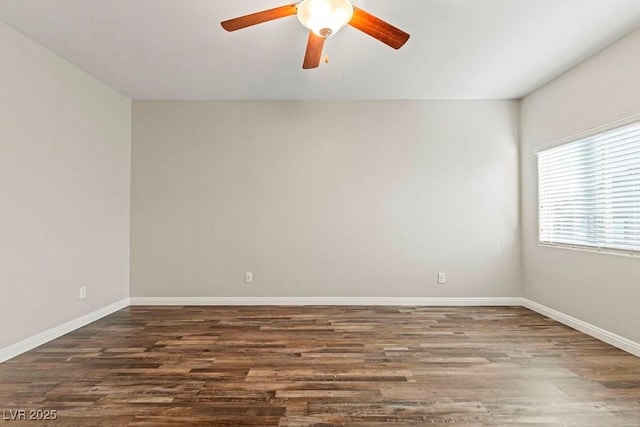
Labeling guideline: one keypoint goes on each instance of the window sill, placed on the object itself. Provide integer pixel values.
(631, 254)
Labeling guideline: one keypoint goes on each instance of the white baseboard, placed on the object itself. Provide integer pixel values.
(406, 301)
(589, 329)
(53, 333)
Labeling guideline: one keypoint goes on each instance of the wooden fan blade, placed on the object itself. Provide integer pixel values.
(378, 29)
(259, 17)
(314, 51)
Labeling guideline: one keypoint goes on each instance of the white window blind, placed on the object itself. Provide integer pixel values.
(589, 191)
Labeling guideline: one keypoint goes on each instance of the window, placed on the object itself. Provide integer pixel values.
(589, 192)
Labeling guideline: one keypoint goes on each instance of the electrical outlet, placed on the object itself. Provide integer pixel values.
(442, 278)
(248, 277)
(82, 294)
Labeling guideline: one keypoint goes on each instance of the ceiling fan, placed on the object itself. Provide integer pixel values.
(324, 18)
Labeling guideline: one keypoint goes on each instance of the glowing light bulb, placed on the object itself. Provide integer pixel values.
(325, 17)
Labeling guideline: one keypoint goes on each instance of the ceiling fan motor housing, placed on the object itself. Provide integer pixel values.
(325, 17)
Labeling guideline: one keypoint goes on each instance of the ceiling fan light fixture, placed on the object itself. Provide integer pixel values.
(325, 17)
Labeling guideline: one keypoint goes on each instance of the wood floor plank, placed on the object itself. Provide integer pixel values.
(324, 366)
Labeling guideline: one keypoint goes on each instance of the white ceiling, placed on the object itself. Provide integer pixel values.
(459, 49)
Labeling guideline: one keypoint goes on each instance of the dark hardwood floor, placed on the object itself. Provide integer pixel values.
(322, 366)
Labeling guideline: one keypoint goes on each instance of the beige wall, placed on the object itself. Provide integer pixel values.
(601, 289)
(65, 142)
(325, 198)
